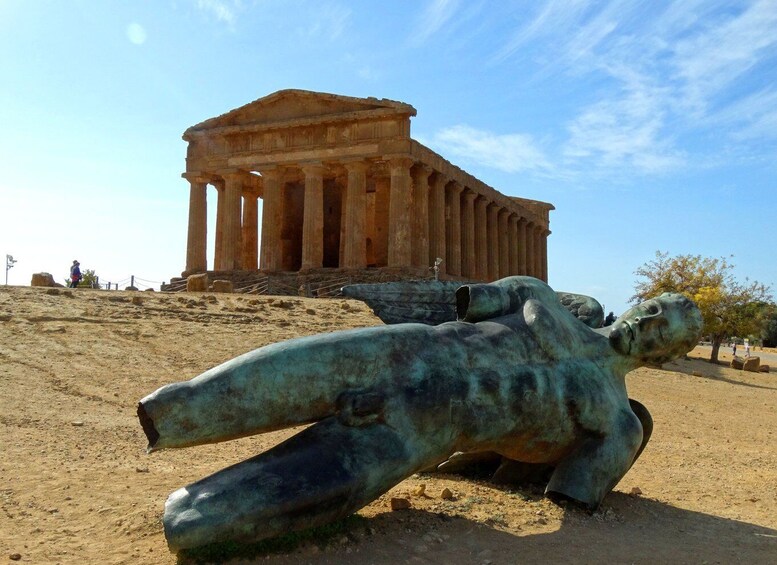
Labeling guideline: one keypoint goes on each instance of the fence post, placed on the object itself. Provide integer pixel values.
(132, 281)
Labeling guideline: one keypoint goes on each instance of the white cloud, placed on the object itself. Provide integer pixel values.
(328, 21)
(220, 9)
(714, 58)
(136, 34)
(511, 153)
(436, 14)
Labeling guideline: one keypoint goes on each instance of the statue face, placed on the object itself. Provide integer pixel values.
(657, 330)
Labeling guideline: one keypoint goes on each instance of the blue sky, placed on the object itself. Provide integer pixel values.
(649, 125)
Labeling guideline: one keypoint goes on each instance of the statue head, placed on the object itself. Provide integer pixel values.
(658, 330)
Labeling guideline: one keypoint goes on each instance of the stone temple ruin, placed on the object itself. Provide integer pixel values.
(346, 190)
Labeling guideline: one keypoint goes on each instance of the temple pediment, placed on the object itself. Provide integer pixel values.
(294, 105)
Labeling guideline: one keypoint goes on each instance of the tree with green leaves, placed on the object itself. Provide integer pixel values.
(729, 307)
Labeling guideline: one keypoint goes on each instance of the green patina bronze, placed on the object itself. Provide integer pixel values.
(518, 375)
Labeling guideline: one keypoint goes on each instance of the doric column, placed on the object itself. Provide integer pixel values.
(512, 242)
(382, 202)
(437, 221)
(493, 241)
(530, 249)
(544, 262)
(504, 243)
(250, 228)
(232, 236)
(468, 234)
(270, 256)
(399, 213)
(355, 217)
(453, 227)
(538, 251)
(481, 238)
(196, 241)
(420, 227)
(313, 217)
(523, 268)
(218, 254)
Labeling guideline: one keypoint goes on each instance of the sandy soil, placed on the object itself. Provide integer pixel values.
(76, 485)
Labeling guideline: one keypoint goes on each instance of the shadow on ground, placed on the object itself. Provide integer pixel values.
(629, 530)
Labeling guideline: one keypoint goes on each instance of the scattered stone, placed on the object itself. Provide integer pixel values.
(141, 469)
(420, 490)
(310, 311)
(752, 364)
(197, 283)
(42, 279)
(697, 374)
(68, 293)
(763, 369)
(446, 494)
(636, 491)
(77, 423)
(130, 288)
(737, 362)
(223, 286)
(15, 556)
(137, 300)
(53, 292)
(400, 504)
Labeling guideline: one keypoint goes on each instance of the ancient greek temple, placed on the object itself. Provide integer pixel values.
(344, 186)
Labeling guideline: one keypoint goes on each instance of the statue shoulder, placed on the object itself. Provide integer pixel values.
(479, 302)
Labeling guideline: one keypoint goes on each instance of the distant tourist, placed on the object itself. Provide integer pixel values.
(734, 353)
(747, 349)
(610, 319)
(75, 274)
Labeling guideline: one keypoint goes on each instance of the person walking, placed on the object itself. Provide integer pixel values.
(75, 274)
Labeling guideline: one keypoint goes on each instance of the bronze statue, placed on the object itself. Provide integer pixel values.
(518, 375)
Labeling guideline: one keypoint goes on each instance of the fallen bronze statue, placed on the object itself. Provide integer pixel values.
(517, 375)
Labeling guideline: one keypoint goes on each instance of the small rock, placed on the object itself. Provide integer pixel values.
(400, 504)
(420, 490)
(697, 374)
(77, 423)
(137, 300)
(446, 494)
(15, 556)
(141, 469)
(636, 491)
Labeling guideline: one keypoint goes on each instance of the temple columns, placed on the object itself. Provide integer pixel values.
(437, 249)
(468, 234)
(481, 238)
(493, 242)
(512, 242)
(270, 256)
(196, 241)
(355, 217)
(538, 252)
(530, 249)
(399, 213)
(231, 236)
(420, 227)
(453, 227)
(522, 246)
(313, 218)
(250, 231)
(504, 243)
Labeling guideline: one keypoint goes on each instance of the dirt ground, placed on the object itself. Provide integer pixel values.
(76, 485)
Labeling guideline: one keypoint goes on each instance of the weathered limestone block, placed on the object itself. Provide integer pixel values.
(197, 283)
(42, 279)
(223, 286)
(752, 364)
(737, 362)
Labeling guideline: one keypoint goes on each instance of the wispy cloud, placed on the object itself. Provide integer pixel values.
(327, 21)
(511, 153)
(222, 10)
(436, 15)
(663, 71)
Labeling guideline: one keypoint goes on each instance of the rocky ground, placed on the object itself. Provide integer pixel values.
(76, 485)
